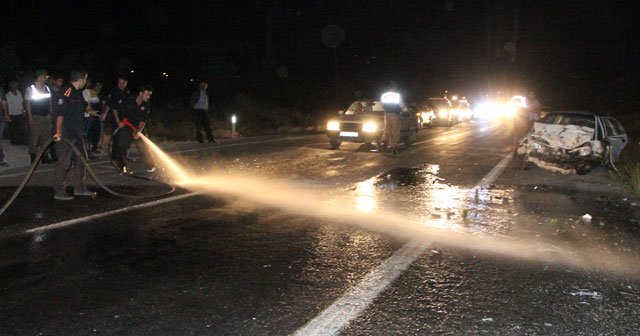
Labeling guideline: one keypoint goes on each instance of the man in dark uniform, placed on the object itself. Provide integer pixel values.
(110, 113)
(115, 98)
(56, 100)
(133, 113)
(70, 126)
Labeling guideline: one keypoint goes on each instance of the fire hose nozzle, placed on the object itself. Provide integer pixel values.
(127, 123)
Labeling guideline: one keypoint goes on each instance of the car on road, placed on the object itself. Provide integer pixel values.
(424, 113)
(573, 140)
(363, 122)
(462, 109)
(443, 112)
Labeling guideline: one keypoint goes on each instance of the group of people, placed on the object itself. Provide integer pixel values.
(79, 121)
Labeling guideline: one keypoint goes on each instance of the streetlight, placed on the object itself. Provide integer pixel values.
(233, 125)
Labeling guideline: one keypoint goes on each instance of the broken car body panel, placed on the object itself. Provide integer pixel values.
(573, 141)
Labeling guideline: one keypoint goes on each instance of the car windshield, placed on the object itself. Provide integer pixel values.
(570, 119)
(438, 103)
(365, 107)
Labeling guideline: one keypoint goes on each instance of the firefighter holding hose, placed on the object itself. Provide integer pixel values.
(70, 127)
(132, 112)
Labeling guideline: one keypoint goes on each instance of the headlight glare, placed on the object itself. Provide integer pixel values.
(369, 126)
(333, 126)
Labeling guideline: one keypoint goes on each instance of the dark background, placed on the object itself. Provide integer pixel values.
(575, 54)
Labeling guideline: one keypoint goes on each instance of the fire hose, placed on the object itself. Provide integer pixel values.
(92, 173)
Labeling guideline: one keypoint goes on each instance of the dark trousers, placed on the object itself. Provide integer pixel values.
(202, 123)
(122, 140)
(68, 160)
(94, 133)
(17, 129)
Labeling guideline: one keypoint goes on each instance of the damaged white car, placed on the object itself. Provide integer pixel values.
(572, 141)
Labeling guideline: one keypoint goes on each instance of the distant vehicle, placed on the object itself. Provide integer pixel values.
(363, 122)
(577, 140)
(461, 109)
(424, 113)
(443, 113)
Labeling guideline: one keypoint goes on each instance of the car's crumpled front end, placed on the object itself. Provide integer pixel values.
(566, 147)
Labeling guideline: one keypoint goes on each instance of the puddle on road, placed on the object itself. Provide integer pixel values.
(429, 199)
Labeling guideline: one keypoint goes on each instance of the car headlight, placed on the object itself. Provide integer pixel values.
(369, 126)
(333, 126)
(584, 151)
(443, 113)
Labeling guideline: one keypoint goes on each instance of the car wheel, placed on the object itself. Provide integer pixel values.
(583, 167)
(335, 143)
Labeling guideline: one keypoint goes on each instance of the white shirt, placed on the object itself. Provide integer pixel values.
(14, 102)
(203, 102)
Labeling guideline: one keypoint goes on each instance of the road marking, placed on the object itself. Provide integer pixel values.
(495, 172)
(344, 310)
(113, 212)
(350, 305)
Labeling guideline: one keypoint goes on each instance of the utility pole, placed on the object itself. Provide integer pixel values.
(516, 28)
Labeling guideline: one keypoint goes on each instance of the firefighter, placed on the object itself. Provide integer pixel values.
(391, 104)
(70, 126)
(132, 113)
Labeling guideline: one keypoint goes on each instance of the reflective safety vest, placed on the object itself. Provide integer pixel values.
(40, 101)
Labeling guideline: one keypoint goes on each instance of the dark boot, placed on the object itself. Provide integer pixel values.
(33, 158)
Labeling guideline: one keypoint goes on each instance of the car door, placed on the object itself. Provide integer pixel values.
(616, 135)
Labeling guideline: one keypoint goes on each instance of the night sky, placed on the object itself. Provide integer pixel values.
(571, 52)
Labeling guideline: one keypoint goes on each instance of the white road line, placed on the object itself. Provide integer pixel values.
(344, 310)
(111, 213)
(350, 305)
(495, 172)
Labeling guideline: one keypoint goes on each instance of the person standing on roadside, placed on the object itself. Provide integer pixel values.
(115, 98)
(199, 105)
(94, 126)
(37, 104)
(70, 127)
(4, 117)
(56, 101)
(533, 107)
(14, 105)
(391, 104)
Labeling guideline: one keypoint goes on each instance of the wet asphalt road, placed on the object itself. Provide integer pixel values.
(222, 264)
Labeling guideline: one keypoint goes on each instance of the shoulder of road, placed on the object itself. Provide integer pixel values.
(18, 158)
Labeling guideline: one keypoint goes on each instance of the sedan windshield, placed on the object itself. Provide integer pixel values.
(365, 107)
(570, 119)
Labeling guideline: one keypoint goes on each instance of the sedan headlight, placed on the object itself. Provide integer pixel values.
(369, 126)
(333, 126)
(584, 151)
(442, 113)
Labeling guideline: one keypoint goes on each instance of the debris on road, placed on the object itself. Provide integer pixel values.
(586, 292)
(586, 218)
(487, 319)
